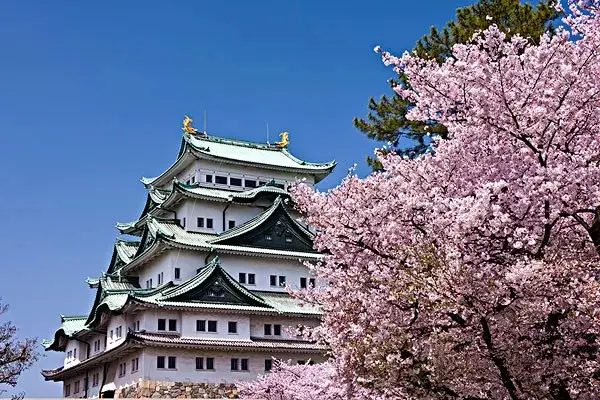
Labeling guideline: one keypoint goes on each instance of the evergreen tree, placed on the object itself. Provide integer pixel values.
(387, 120)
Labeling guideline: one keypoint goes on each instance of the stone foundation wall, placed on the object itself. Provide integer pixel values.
(177, 390)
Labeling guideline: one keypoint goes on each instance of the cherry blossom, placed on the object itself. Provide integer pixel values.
(471, 272)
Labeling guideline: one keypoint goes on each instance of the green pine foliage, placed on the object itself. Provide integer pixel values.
(387, 122)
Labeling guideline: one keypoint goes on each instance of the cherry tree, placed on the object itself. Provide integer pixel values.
(472, 272)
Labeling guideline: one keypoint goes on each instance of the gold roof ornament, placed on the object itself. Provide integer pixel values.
(284, 140)
(187, 126)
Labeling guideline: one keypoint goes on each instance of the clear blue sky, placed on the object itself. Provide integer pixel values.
(92, 98)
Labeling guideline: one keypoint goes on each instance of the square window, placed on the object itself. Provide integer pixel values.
(242, 277)
(221, 180)
(251, 279)
(200, 325)
(212, 326)
(172, 324)
(268, 365)
(209, 178)
(244, 366)
(210, 363)
(231, 224)
(177, 273)
(273, 279)
(282, 281)
(209, 223)
(235, 364)
(277, 330)
(200, 222)
(302, 283)
(162, 324)
(251, 183)
(267, 329)
(232, 327)
(235, 181)
(172, 362)
(199, 362)
(311, 281)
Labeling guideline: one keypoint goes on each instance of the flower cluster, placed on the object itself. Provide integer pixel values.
(473, 272)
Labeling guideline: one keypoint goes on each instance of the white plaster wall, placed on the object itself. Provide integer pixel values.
(243, 326)
(186, 365)
(91, 339)
(149, 320)
(191, 209)
(81, 353)
(264, 267)
(71, 381)
(94, 391)
(257, 323)
(130, 377)
(187, 260)
(202, 167)
(115, 321)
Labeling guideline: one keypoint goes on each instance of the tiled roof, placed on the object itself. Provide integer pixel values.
(126, 249)
(254, 153)
(237, 152)
(68, 327)
(285, 303)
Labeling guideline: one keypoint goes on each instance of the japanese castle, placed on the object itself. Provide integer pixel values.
(194, 297)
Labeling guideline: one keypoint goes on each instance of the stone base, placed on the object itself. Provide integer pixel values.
(177, 390)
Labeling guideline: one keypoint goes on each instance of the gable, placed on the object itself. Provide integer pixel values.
(277, 232)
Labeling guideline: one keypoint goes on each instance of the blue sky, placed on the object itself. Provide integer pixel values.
(92, 98)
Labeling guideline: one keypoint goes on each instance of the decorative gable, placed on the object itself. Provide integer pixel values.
(274, 229)
(213, 285)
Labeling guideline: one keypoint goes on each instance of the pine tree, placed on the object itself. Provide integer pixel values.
(387, 120)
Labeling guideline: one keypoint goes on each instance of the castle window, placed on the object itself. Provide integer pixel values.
(177, 273)
(210, 363)
(200, 325)
(193, 179)
(312, 283)
(277, 330)
(160, 362)
(212, 326)
(231, 224)
(235, 181)
(68, 390)
(249, 183)
(273, 280)
(199, 362)
(221, 180)
(200, 222)
(302, 283)
(268, 365)
(183, 222)
(135, 363)
(267, 329)
(209, 223)
(235, 364)
(172, 362)
(281, 280)
(262, 183)
(76, 388)
(242, 277)
(232, 327)
(74, 353)
(244, 366)
(122, 368)
(160, 278)
(251, 279)
(209, 178)
(162, 324)
(172, 324)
